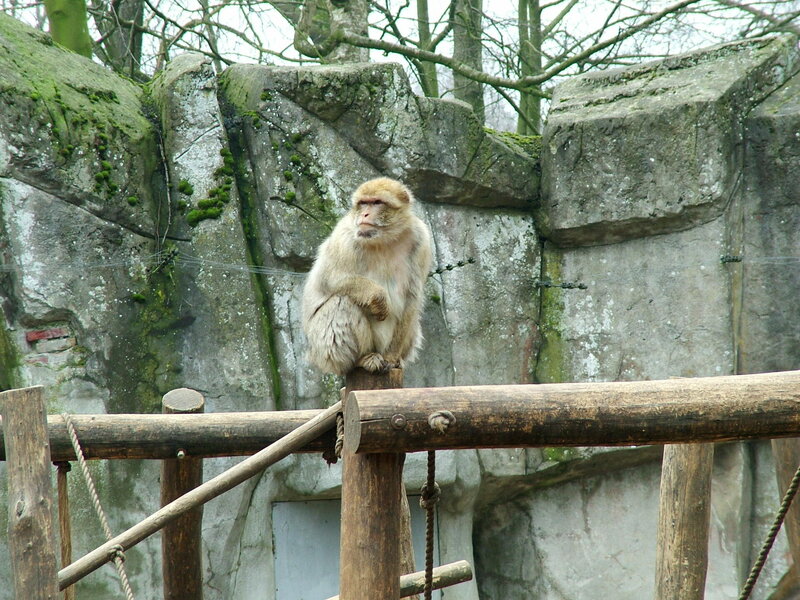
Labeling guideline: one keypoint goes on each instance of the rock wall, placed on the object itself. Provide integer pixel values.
(153, 238)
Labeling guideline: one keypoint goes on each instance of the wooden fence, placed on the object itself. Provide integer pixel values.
(380, 426)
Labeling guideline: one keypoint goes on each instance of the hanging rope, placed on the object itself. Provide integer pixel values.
(439, 422)
(771, 535)
(332, 455)
(117, 551)
(428, 499)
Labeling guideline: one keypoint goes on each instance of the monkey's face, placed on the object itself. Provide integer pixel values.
(371, 216)
(381, 211)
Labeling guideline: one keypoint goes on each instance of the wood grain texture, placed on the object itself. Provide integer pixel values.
(154, 436)
(577, 414)
(371, 507)
(31, 537)
(683, 521)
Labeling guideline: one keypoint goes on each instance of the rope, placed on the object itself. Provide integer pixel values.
(428, 500)
(116, 553)
(439, 421)
(332, 455)
(339, 435)
(771, 535)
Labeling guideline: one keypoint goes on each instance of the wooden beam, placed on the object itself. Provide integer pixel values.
(181, 540)
(443, 576)
(683, 521)
(209, 490)
(369, 555)
(31, 538)
(153, 436)
(577, 414)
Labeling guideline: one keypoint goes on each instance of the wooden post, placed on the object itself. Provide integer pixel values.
(31, 538)
(372, 485)
(65, 521)
(683, 517)
(786, 454)
(181, 551)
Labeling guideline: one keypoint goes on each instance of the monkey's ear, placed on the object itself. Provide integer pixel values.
(404, 195)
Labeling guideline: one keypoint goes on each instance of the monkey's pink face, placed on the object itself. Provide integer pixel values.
(371, 217)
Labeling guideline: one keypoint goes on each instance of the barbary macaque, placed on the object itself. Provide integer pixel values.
(364, 295)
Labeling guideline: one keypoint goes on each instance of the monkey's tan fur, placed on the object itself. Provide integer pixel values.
(364, 295)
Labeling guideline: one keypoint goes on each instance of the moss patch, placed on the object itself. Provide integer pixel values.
(81, 115)
(9, 362)
(550, 364)
(144, 362)
(529, 144)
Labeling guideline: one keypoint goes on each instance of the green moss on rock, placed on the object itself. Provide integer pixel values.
(550, 366)
(9, 362)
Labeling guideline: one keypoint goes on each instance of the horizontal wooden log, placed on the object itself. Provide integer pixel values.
(444, 576)
(162, 436)
(707, 409)
(227, 480)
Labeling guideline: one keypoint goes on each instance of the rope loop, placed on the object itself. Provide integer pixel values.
(430, 496)
(441, 420)
(117, 552)
(332, 455)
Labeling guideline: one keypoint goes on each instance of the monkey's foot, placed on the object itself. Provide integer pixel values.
(374, 363)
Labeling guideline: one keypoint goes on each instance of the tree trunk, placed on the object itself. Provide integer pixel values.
(319, 20)
(467, 49)
(530, 59)
(427, 70)
(120, 23)
(68, 25)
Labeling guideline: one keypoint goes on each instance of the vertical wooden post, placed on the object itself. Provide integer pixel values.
(786, 454)
(31, 538)
(372, 485)
(181, 548)
(683, 520)
(65, 521)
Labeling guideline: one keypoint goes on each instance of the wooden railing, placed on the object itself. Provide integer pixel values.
(384, 424)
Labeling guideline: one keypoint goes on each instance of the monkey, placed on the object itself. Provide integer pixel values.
(363, 297)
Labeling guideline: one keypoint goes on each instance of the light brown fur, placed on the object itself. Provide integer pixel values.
(364, 295)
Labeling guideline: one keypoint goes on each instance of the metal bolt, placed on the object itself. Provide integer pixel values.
(398, 421)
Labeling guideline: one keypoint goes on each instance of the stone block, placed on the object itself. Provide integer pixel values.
(653, 148)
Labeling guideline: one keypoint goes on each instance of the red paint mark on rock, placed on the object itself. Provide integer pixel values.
(46, 334)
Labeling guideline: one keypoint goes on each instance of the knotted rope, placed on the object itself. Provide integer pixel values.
(439, 422)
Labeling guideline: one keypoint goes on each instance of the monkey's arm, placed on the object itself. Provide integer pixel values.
(364, 292)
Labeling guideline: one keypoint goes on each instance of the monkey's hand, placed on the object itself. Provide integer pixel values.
(378, 306)
(374, 363)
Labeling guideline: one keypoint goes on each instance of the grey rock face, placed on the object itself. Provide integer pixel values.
(654, 148)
